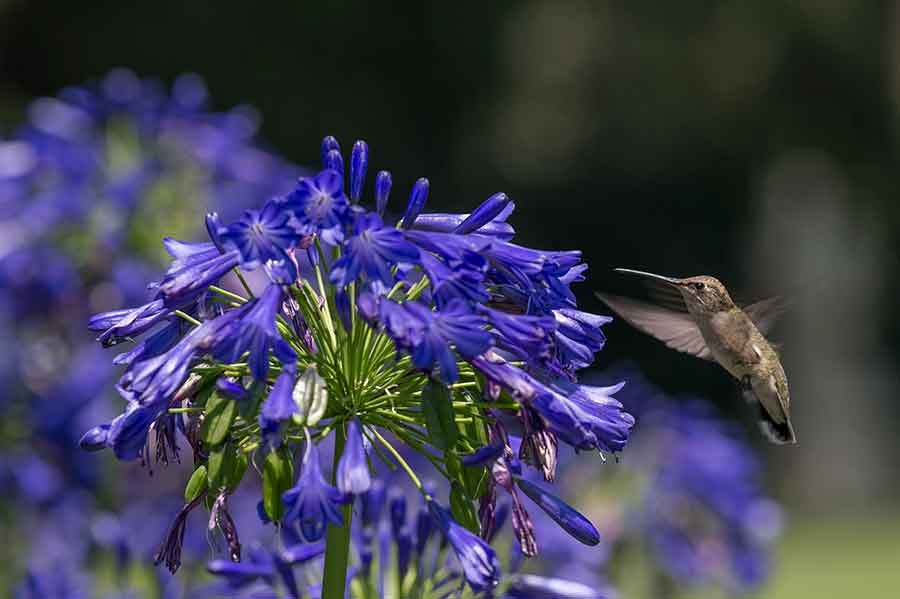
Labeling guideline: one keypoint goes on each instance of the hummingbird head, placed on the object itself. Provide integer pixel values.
(701, 294)
(704, 294)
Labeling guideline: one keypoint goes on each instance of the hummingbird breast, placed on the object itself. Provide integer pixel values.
(735, 342)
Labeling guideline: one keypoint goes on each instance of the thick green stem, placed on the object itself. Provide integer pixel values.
(337, 541)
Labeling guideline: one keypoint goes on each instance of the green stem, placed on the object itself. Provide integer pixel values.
(337, 541)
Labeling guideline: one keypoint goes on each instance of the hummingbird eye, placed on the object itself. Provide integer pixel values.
(699, 286)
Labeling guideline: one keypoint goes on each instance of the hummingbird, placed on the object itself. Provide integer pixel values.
(697, 316)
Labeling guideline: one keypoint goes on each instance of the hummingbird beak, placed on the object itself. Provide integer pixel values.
(650, 275)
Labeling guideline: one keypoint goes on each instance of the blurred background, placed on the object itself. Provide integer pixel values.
(756, 142)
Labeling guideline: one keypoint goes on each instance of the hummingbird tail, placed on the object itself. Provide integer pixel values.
(779, 433)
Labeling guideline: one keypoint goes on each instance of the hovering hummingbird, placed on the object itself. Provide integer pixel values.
(697, 316)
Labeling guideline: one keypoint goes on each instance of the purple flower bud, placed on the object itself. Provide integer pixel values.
(382, 191)
(372, 503)
(353, 475)
(485, 455)
(95, 439)
(334, 161)
(417, 198)
(397, 507)
(329, 144)
(424, 528)
(231, 389)
(565, 515)
(359, 163)
(303, 552)
(485, 213)
(530, 586)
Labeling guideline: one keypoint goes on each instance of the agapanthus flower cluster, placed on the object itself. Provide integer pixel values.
(88, 184)
(436, 331)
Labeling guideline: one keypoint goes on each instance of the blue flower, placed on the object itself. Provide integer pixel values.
(450, 223)
(373, 250)
(428, 335)
(187, 279)
(464, 280)
(256, 333)
(479, 562)
(529, 338)
(279, 405)
(260, 235)
(157, 343)
(319, 206)
(353, 477)
(312, 503)
(578, 337)
(584, 417)
(120, 325)
(562, 513)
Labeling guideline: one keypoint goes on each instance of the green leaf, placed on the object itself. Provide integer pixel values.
(438, 410)
(220, 413)
(219, 467)
(196, 484)
(278, 474)
(462, 508)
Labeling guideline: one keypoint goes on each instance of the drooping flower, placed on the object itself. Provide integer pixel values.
(312, 503)
(479, 562)
(319, 205)
(353, 476)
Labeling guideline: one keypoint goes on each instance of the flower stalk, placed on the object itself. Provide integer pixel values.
(337, 538)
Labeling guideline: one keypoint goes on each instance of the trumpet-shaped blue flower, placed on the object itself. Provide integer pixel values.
(319, 206)
(479, 562)
(312, 503)
(373, 250)
(578, 337)
(279, 405)
(353, 476)
(119, 325)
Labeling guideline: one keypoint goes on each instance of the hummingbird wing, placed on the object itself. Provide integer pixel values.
(676, 329)
(765, 313)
